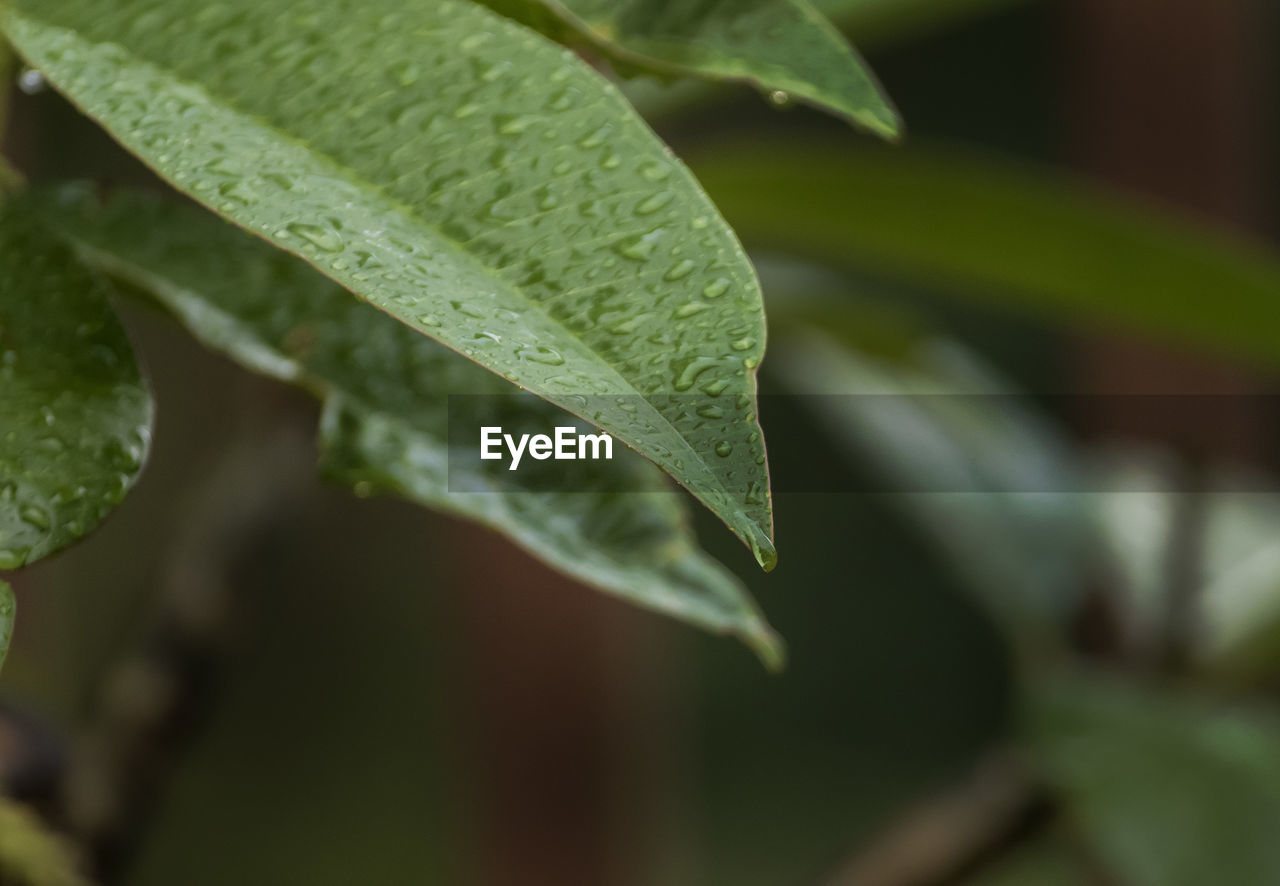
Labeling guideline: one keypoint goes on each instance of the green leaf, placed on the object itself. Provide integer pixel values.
(8, 609)
(461, 173)
(988, 231)
(1169, 791)
(387, 415)
(785, 48)
(75, 416)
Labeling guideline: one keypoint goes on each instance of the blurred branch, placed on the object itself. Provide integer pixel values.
(151, 704)
(952, 835)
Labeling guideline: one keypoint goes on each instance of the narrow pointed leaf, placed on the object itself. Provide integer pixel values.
(779, 46)
(75, 415)
(386, 418)
(461, 173)
(982, 230)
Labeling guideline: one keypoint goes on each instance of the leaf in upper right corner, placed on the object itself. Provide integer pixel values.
(1169, 790)
(785, 48)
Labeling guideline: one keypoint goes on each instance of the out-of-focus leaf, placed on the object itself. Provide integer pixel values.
(386, 418)
(480, 184)
(984, 230)
(985, 476)
(1168, 791)
(8, 608)
(1237, 632)
(75, 416)
(1240, 603)
(30, 855)
(785, 48)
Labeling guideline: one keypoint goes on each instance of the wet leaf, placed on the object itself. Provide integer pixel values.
(386, 424)
(459, 172)
(75, 416)
(982, 230)
(785, 48)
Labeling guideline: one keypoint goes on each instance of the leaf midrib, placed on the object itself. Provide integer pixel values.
(345, 173)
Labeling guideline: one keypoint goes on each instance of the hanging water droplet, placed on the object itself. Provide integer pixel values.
(31, 81)
(779, 98)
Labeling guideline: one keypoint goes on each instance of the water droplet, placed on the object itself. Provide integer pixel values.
(541, 354)
(655, 172)
(724, 449)
(680, 270)
(779, 98)
(321, 238)
(743, 344)
(31, 81)
(639, 247)
(405, 73)
(690, 309)
(655, 203)
(710, 411)
(695, 367)
(36, 516)
(13, 558)
(716, 288)
(428, 320)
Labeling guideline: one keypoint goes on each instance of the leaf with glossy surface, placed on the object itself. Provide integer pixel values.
(1169, 791)
(482, 185)
(75, 416)
(387, 413)
(782, 47)
(982, 230)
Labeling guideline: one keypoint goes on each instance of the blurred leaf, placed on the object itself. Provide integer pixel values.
(1238, 619)
(75, 415)
(387, 412)
(1169, 791)
(30, 855)
(8, 609)
(1240, 603)
(985, 230)
(778, 46)
(481, 185)
(985, 476)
